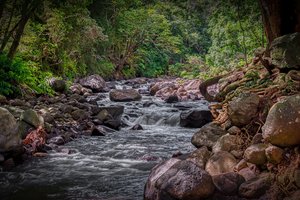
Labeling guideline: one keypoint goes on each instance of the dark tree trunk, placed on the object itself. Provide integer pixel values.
(2, 5)
(280, 17)
(27, 10)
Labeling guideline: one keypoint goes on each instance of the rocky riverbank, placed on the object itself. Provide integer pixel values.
(251, 149)
(34, 125)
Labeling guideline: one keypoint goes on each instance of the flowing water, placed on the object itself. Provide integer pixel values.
(113, 167)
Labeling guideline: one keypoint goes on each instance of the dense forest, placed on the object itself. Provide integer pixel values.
(123, 39)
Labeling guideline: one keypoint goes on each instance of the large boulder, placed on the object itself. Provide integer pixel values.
(94, 82)
(200, 157)
(220, 162)
(283, 123)
(195, 118)
(183, 180)
(228, 143)
(32, 118)
(256, 187)
(9, 138)
(228, 183)
(243, 109)
(207, 135)
(124, 95)
(110, 116)
(285, 51)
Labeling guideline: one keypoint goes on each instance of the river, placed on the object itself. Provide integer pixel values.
(113, 167)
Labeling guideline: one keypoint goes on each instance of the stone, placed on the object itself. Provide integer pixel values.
(274, 154)
(195, 118)
(283, 123)
(24, 128)
(58, 140)
(257, 138)
(220, 162)
(208, 135)
(256, 187)
(294, 196)
(111, 116)
(137, 127)
(234, 130)
(32, 118)
(94, 82)
(243, 109)
(19, 102)
(227, 143)
(200, 157)
(255, 154)
(58, 85)
(228, 183)
(172, 99)
(183, 180)
(79, 114)
(9, 137)
(98, 131)
(285, 50)
(124, 95)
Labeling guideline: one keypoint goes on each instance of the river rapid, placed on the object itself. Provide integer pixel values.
(113, 167)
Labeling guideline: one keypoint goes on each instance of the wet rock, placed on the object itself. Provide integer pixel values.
(274, 154)
(124, 95)
(94, 82)
(154, 88)
(285, 51)
(24, 128)
(98, 131)
(182, 180)
(79, 114)
(228, 183)
(111, 116)
(58, 85)
(228, 143)
(32, 118)
(58, 140)
(9, 138)
(283, 123)
(200, 157)
(243, 109)
(255, 154)
(137, 127)
(172, 99)
(195, 118)
(220, 162)
(256, 187)
(208, 135)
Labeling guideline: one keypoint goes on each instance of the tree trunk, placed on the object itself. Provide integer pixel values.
(280, 17)
(2, 5)
(27, 9)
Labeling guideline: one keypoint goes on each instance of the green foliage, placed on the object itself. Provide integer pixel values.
(15, 74)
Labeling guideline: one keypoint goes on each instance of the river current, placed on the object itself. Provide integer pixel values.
(113, 167)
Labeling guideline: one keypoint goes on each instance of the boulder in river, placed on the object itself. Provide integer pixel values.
(94, 82)
(110, 116)
(172, 99)
(176, 179)
(124, 95)
(195, 118)
(283, 123)
(9, 137)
